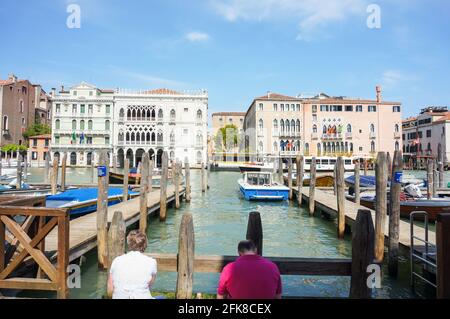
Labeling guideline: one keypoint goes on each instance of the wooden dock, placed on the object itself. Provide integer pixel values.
(83, 230)
(327, 203)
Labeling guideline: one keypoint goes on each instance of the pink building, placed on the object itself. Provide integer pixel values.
(322, 126)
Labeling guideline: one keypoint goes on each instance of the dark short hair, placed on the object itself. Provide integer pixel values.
(246, 245)
(137, 241)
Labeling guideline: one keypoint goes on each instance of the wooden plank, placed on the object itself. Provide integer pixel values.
(63, 172)
(25, 241)
(443, 256)
(357, 182)
(163, 187)
(255, 231)
(186, 248)
(102, 208)
(187, 173)
(143, 196)
(362, 255)
(340, 196)
(35, 211)
(28, 284)
(380, 205)
(63, 256)
(312, 187)
(116, 237)
(126, 173)
(394, 214)
(287, 265)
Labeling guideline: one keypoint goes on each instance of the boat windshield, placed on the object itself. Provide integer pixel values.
(258, 179)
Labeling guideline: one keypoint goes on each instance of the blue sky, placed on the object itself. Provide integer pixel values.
(237, 49)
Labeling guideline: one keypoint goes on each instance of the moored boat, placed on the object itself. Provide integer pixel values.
(256, 167)
(321, 181)
(260, 186)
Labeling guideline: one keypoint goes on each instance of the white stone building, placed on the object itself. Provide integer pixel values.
(129, 123)
(82, 123)
(160, 120)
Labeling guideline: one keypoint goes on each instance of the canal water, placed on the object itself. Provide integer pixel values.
(220, 221)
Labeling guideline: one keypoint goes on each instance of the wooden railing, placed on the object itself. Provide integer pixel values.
(26, 241)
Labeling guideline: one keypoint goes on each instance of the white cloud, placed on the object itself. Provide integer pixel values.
(197, 37)
(392, 78)
(312, 15)
(146, 79)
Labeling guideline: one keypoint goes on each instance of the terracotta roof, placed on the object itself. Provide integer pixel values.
(276, 96)
(444, 118)
(409, 119)
(41, 136)
(162, 91)
(8, 82)
(229, 114)
(344, 101)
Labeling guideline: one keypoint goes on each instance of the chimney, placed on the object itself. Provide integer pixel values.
(53, 92)
(268, 94)
(12, 78)
(62, 88)
(379, 96)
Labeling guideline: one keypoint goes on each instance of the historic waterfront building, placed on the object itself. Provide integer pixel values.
(82, 123)
(218, 148)
(424, 136)
(322, 125)
(127, 124)
(161, 120)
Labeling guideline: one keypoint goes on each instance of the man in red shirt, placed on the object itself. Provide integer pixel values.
(250, 276)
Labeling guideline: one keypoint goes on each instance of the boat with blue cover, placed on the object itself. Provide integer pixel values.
(83, 201)
(261, 186)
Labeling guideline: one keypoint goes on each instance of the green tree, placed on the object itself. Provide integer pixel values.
(36, 129)
(13, 148)
(227, 137)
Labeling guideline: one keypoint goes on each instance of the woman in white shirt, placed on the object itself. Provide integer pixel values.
(132, 275)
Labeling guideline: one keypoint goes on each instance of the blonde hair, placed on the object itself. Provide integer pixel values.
(137, 241)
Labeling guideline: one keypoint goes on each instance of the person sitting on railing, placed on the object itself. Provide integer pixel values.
(250, 276)
(132, 275)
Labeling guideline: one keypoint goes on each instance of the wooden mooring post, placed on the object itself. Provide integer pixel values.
(19, 171)
(187, 172)
(46, 167)
(186, 257)
(394, 212)
(126, 173)
(357, 183)
(143, 196)
(435, 178)
(300, 173)
(430, 176)
(204, 177)
(441, 159)
(335, 180)
(25, 167)
(443, 256)
(255, 231)
(177, 182)
(54, 177)
(280, 170)
(290, 179)
(365, 164)
(116, 237)
(340, 195)
(312, 186)
(63, 172)
(380, 205)
(362, 254)
(102, 212)
(163, 187)
(151, 167)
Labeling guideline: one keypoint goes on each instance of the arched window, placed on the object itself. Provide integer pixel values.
(261, 124)
(133, 137)
(275, 147)
(372, 128)
(57, 124)
(138, 137)
(396, 128)
(349, 128)
(90, 125)
(306, 149)
(129, 115)
(82, 125)
(325, 130)
(297, 124)
(314, 128)
(153, 137)
(127, 136)
(74, 125)
(351, 147)
(429, 147)
(260, 147)
(160, 114)
(199, 138)
(282, 126)
(199, 157)
(288, 126)
(160, 137)
(397, 146)
(21, 106)
(172, 114)
(199, 115)
(148, 138)
(122, 113)
(153, 114)
(293, 125)
(319, 151)
(275, 125)
(172, 137)
(107, 125)
(73, 158)
(133, 115)
(372, 146)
